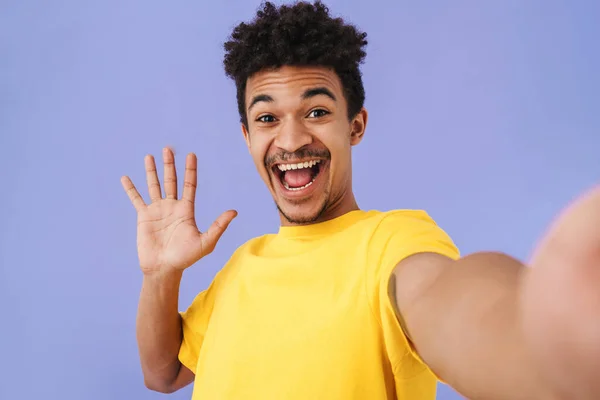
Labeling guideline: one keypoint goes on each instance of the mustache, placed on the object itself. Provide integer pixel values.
(286, 157)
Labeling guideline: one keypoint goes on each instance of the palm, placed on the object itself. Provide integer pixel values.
(167, 235)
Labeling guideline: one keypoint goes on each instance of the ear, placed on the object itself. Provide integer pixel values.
(359, 125)
(246, 135)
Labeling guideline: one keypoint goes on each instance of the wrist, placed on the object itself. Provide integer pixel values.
(163, 276)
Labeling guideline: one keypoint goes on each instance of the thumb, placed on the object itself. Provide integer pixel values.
(216, 230)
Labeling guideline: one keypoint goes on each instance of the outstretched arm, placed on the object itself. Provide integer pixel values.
(493, 328)
(464, 323)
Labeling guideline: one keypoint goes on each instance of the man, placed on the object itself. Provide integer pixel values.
(343, 303)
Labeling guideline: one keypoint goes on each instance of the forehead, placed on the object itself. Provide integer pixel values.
(292, 81)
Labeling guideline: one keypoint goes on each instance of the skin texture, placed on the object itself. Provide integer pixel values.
(290, 127)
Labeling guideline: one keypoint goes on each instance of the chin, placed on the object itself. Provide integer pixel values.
(303, 213)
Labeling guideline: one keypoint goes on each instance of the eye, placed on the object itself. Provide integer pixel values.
(266, 118)
(318, 113)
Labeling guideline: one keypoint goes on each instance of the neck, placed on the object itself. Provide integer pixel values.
(334, 210)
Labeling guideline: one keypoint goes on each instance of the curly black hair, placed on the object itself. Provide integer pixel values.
(302, 34)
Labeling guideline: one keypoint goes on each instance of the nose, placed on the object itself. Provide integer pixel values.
(292, 136)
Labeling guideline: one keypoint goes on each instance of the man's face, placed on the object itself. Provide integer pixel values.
(300, 139)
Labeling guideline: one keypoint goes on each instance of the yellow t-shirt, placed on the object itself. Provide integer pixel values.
(305, 314)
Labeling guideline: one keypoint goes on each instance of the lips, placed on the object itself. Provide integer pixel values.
(298, 176)
(298, 179)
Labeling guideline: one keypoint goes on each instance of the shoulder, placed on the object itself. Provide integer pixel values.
(406, 228)
(253, 247)
(407, 221)
(400, 234)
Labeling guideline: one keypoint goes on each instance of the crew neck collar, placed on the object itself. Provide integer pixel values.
(326, 227)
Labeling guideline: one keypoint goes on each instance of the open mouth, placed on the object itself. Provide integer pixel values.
(298, 176)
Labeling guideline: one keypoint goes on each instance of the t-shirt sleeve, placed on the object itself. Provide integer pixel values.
(398, 236)
(195, 321)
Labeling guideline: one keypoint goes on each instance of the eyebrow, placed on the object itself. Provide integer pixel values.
(260, 98)
(320, 91)
(310, 93)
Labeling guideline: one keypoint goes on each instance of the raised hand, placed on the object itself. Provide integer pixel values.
(167, 236)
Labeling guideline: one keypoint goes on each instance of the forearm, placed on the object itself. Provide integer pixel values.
(159, 331)
(476, 343)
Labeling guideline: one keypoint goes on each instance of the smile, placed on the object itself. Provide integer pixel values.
(296, 177)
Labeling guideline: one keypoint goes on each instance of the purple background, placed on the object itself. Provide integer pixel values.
(486, 115)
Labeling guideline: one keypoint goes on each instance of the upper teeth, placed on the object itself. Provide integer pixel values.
(306, 164)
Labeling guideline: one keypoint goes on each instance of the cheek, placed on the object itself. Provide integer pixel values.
(343, 161)
(340, 149)
(258, 157)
